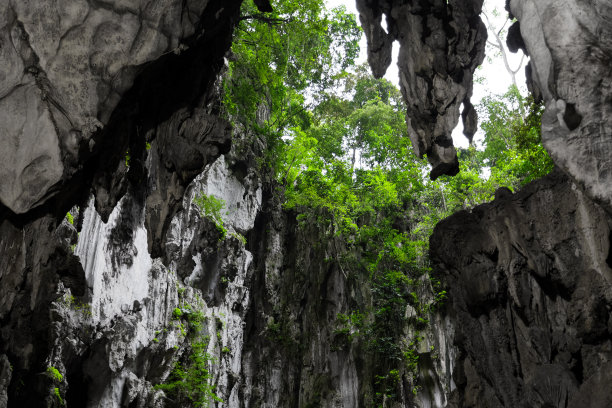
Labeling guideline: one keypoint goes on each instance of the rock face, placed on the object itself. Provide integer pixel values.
(441, 44)
(119, 99)
(529, 275)
(66, 67)
(530, 282)
(111, 109)
(570, 45)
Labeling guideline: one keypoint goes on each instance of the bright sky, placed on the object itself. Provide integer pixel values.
(496, 78)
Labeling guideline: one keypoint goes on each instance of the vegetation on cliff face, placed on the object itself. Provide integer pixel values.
(336, 144)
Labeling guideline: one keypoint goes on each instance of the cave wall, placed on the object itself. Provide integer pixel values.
(68, 65)
(119, 99)
(109, 109)
(570, 48)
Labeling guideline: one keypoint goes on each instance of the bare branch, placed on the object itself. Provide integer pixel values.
(520, 64)
(500, 46)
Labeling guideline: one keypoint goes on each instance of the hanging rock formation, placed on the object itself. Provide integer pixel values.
(441, 44)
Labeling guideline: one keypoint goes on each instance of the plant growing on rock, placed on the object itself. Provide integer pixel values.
(189, 383)
(211, 207)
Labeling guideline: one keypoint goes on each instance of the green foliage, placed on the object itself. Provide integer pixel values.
(512, 156)
(513, 148)
(83, 308)
(192, 316)
(58, 395)
(351, 170)
(70, 218)
(189, 384)
(55, 374)
(279, 332)
(57, 378)
(282, 59)
(335, 140)
(190, 381)
(211, 207)
(239, 237)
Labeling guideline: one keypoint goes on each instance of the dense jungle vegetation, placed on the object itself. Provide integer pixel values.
(336, 144)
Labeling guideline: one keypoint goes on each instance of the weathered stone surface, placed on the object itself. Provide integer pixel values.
(91, 98)
(30, 154)
(570, 45)
(530, 285)
(71, 63)
(183, 146)
(441, 44)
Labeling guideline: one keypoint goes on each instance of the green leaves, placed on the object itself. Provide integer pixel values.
(512, 142)
(211, 207)
(282, 58)
(190, 384)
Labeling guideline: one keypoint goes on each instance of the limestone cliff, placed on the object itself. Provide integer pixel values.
(118, 99)
(529, 275)
(109, 110)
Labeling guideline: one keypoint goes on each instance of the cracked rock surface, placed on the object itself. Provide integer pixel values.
(441, 44)
(111, 108)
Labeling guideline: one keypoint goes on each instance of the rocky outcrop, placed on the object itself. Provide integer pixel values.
(119, 99)
(529, 278)
(441, 44)
(82, 83)
(570, 46)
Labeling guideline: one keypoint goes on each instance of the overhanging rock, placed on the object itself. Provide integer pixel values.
(441, 44)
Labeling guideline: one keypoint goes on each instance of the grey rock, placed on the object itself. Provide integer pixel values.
(528, 320)
(5, 379)
(530, 286)
(67, 66)
(30, 154)
(570, 43)
(441, 44)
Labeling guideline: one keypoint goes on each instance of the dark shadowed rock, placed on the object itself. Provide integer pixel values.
(531, 294)
(441, 44)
